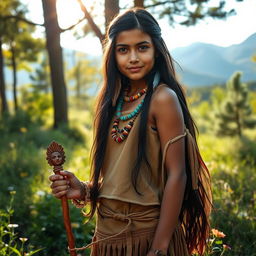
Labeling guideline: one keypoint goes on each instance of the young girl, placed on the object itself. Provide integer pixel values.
(149, 185)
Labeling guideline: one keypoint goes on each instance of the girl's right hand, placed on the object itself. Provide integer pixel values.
(66, 183)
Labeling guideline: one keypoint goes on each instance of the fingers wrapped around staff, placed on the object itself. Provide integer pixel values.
(59, 186)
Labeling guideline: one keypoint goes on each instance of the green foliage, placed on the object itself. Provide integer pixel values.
(235, 112)
(38, 106)
(231, 162)
(215, 245)
(41, 76)
(17, 36)
(203, 93)
(189, 12)
(10, 242)
(82, 77)
(22, 164)
(48, 221)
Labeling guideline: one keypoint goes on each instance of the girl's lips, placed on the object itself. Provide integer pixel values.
(135, 69)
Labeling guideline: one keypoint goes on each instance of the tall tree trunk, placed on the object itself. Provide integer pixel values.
(14, 73)
(56, 62)
(4, 106)
(111, 10)
(139, 3)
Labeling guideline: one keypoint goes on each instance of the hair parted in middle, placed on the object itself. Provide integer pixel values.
(114, 82)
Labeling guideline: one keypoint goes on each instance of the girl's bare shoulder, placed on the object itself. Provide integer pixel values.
(164, 104)
(164, 96)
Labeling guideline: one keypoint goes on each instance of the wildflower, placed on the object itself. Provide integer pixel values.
(23, 174)
(226, 247)
(23, 239)
(23, 129)
(13, 225)
(75, 225)
(34, 212)
(12, 145)
(13, 192)
(218, 233)
(40, 193)
(194, 252)
(10, 188)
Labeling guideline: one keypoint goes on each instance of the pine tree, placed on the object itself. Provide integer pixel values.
(41, 76)
(235, 113)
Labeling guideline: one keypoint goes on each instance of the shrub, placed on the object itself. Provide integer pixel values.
(47, 228)
(10, 242)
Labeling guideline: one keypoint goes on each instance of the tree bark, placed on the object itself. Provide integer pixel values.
(14, 73)
(4, 106)
(56, 62)
(139, 3)
(111, 10)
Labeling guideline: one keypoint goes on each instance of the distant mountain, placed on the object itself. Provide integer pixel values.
(207, 64)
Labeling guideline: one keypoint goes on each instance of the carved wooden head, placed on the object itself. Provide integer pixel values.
(55, 154)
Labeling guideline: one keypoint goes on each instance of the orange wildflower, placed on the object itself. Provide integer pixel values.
(226, 247)
(218, 233)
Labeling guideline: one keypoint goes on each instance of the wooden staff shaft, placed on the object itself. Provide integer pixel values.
(67, 223)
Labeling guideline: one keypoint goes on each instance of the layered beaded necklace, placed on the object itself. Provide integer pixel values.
(119, 135)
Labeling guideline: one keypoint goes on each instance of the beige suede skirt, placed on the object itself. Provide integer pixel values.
(127, 229)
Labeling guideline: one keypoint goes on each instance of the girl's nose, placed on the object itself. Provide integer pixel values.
(134, 57)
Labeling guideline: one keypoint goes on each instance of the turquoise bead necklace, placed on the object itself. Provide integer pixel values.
(129, 116)
(119, 135)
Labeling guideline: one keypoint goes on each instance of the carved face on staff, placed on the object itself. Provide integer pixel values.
(57, 158)
(55, 154)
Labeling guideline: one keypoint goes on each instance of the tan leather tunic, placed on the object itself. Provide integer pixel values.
(118, 164)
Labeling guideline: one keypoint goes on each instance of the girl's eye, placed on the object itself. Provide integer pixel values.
(122, 50)
(143, 47)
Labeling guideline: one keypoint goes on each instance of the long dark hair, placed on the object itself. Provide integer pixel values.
(194, 214)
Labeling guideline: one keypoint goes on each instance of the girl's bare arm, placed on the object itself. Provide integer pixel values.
(168, 117)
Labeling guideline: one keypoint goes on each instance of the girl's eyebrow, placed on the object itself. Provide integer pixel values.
(143, 42)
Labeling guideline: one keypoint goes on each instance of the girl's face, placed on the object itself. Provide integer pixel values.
(135, 54)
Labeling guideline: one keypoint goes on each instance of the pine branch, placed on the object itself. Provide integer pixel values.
(94, 27)
(21, 19)
(157, 4)
(74, 25)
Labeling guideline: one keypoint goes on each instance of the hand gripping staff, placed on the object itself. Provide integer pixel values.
(55, 156)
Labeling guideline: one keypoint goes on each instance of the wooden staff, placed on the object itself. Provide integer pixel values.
(56, 158)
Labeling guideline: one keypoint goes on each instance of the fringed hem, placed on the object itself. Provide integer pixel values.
(134, 243)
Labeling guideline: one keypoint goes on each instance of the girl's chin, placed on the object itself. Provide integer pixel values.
(135, 77)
